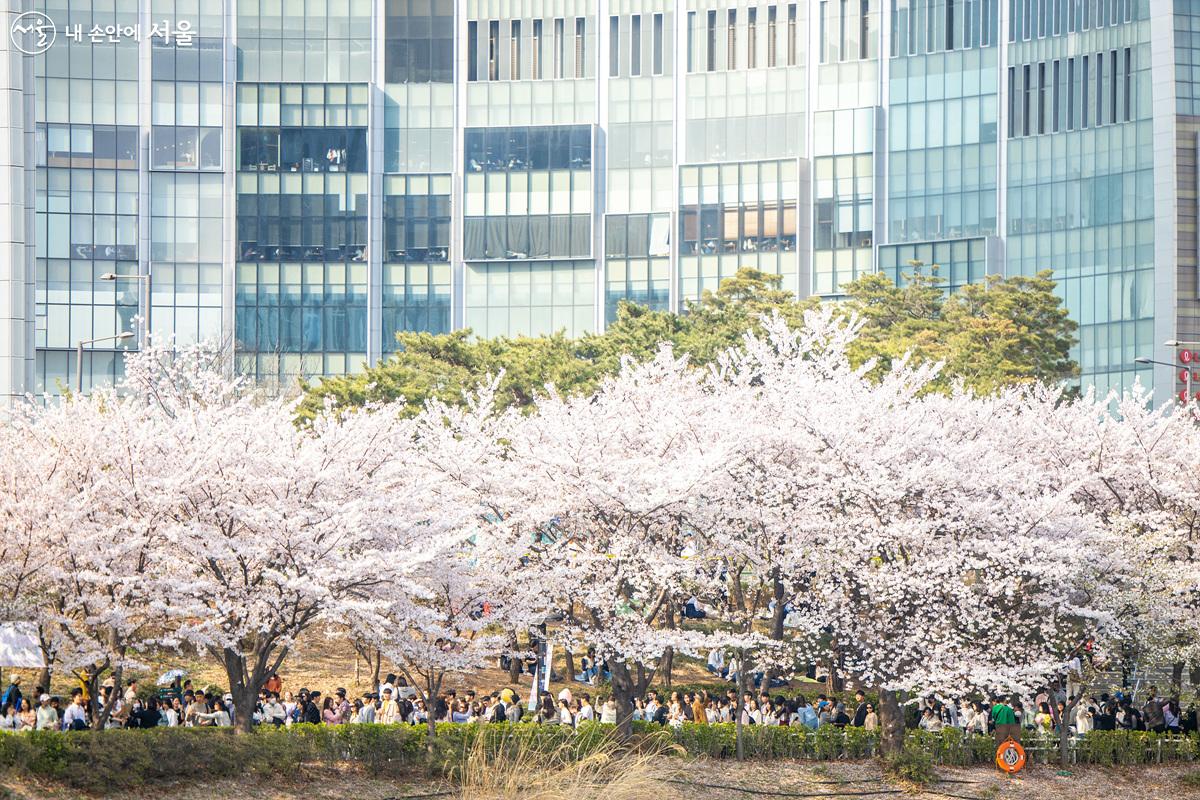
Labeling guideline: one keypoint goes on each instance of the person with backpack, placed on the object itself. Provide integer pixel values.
(12, 697)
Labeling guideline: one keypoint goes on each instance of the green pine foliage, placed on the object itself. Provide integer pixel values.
(1001, 332)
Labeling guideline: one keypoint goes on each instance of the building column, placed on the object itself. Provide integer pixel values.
(17, 213)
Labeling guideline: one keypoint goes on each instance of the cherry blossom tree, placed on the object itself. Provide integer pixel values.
(85, 537)
(449, 605)
(941, 551)
(601, 490)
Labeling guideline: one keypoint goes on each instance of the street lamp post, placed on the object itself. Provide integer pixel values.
(112, 276)
(79, 354)
(1175, 343)
(1187, 382)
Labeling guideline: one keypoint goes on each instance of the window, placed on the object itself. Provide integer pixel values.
(864, 28)
(751, 38)
(535, 69)
(1112, 72)
(1055, 109)
(1042, 98)
(772, 40)
(658, 44)
(949, 24)
(635, 45)
(1100, 88)
(691, 41)
(493, 50)
(822, 32)
(1128, 83)
(579, 48)
(1012, 102)
(1070, 94)
(731, 40)
(1083, 94)
(559, 47)
(472, 50)
(614, 47)
(711, 41)
(841, 40)
(791, 34)
(1025, 100)
(514, 50)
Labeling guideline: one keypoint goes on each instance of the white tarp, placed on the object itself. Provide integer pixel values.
(19, 646)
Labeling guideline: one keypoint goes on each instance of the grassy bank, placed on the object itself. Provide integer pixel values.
(125, 759)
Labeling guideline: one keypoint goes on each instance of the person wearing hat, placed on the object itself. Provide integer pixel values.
(344, 709)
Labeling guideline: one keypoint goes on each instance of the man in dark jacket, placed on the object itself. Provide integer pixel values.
(311, 711)
(860, 711)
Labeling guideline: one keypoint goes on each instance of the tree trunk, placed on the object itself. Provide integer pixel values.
(891, 723)
(48, 657)
(736, 598)
(432, 687)
(1177, 679)
(741, 690)
(246, 681)
(1064, 730)
(570, 657)
(514, 663)
(780, 612)
(376, 668)
(1194, 676)
(668, 659)
(778, 615)
(622, 687)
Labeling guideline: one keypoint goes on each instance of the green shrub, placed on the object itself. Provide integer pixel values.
(912, 764)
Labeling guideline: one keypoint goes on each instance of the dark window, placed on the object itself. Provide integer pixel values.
(419, 42)
(635, 45)
(772, 43)
(751, 38)
(514, 50)
(614, 46)
(580, 54)
(521, 148)
(658, 44)
(791, 34)
(493, 63)
(710, 61)
(535, 70)
(472, 50)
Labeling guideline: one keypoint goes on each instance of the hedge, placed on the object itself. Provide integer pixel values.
(117, 760)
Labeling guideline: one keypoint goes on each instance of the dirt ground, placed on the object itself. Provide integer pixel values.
(710, 780)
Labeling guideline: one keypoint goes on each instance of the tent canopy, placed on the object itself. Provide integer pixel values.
(19, 646)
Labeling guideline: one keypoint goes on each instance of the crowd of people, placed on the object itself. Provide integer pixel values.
(396, 702)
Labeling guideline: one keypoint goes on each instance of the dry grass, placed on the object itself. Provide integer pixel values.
(616, 778)
(528, 772)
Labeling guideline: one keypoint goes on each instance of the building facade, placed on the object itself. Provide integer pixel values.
(301, 179)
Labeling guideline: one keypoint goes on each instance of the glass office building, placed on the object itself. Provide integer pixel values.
(301, 179)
